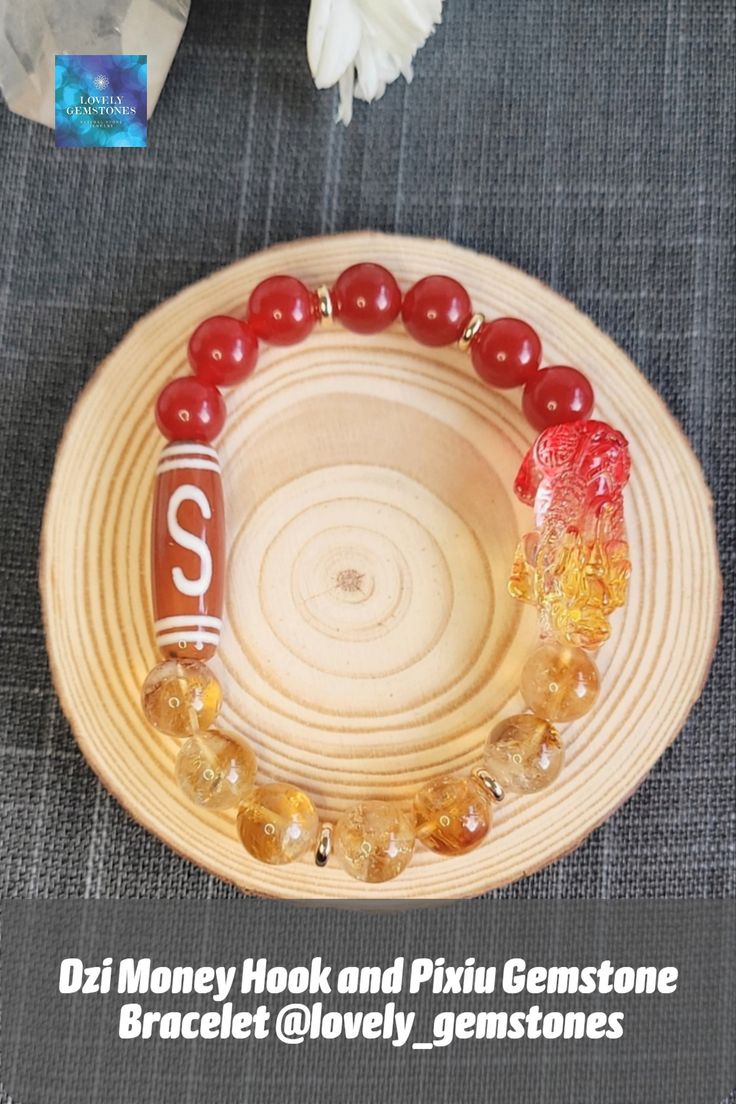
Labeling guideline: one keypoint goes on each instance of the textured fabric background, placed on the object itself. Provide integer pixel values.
(588, 143)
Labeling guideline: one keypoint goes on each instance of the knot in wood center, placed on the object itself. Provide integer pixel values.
(350, 581)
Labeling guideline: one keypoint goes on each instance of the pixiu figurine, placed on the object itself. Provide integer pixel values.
(574, 567)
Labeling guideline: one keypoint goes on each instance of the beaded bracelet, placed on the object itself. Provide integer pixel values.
(573, 566)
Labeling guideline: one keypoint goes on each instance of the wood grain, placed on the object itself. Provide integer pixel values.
(369, 642)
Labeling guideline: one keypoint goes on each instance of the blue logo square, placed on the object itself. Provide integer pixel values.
(101, 100)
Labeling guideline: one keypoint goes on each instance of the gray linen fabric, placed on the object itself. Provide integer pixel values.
(588, 143)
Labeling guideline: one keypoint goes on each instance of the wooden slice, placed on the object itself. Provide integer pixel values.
(369, 639)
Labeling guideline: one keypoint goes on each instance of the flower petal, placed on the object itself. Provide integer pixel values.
(346, 84)
(333, 39)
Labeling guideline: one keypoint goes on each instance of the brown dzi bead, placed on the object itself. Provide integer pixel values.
(188, 551)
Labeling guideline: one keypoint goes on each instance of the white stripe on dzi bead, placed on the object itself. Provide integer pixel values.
(181, 620)
(188, 638)
(171, 465)
(184, 449)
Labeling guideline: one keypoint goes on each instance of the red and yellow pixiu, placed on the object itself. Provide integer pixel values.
(573, 566)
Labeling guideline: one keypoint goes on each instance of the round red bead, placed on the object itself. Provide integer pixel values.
(282, 310)
(190, 410)
(436, 310)
(366, 298)
(506, 352)
(223, 350)
(556, 395)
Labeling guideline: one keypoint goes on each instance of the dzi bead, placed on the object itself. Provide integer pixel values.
(452, 815)
(215, 771)
(523, 753)
(277, 823)
(374, 841)
(181, 698)
(188, 551)
(559, 682)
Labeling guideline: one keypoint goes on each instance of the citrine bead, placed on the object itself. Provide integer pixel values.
(215, 771)
(277, 823)
(559, 682)
(452, 815)
(181, 697)
(523, 753)
(374, 841)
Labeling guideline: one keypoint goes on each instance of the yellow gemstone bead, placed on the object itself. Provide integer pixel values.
(181, 697)
(374, 841)
(215, 771)
(560, 682)
(277, 823)
(452, 815)
(523, 753)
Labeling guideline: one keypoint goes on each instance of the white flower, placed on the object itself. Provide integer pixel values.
(364, 45)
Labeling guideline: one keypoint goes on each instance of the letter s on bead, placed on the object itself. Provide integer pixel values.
(188, 551)
(188, 492)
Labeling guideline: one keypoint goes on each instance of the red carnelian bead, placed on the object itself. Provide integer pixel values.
(506, 352)
(189, 410)
(557, 395)
(282, 310)
(366, 298)
(436, 310)
(223, 350)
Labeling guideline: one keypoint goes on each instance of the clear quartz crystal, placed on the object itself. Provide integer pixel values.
(32, 32)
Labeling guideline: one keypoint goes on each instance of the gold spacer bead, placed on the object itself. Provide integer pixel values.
(474, 324)
(324, 299)
(324, 847)
(488, 783)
